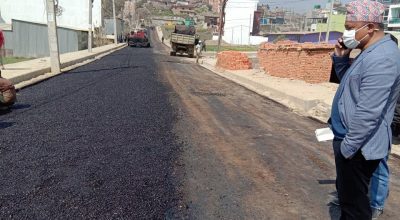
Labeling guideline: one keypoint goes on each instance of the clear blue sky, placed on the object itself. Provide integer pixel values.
(297, 5)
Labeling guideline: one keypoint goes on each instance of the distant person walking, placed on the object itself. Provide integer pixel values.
(198, 49)
(363, 107)
(1, 48)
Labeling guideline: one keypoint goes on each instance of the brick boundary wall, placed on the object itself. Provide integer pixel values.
(287, 59)
(233, 60)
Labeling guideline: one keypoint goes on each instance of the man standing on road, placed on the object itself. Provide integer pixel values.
(198, 49)
(1, 48)
(379, 185)
(363, 107)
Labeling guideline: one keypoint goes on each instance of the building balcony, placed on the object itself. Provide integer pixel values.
(394, 21)
(394, 16)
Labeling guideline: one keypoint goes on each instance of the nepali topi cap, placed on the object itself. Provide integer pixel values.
(365, 10)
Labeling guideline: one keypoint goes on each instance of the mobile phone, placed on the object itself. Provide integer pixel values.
(342, 44)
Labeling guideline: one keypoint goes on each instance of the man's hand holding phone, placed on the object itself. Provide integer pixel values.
(340, 49)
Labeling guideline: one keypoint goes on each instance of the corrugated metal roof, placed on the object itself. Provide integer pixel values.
(6, 27)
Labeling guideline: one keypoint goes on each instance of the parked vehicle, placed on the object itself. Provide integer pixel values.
(184, 40)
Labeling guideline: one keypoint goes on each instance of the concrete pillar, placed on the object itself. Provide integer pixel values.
(53, 38)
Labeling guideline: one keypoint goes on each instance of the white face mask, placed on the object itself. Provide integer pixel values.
(349, 38)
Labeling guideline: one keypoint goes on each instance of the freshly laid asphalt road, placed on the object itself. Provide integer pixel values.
(142, 135)
(93, 143)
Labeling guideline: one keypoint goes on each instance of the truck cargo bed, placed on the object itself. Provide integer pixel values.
(182, 39)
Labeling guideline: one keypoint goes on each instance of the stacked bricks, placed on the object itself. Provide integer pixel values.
(233, 60)
(287, 59)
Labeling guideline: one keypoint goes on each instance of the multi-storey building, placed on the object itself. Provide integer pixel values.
(238, 25)
(393, 20)
(389, 2)
(69, 12)
(391, 14)
(215, 5)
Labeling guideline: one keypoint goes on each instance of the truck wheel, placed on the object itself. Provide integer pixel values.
(191, 55)
(172, 53)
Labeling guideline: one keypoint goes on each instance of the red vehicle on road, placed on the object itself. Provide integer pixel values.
(138, 39)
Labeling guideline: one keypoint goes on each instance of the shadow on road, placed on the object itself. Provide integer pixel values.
(20, 106)
(14, 107)
(326, 182)
(97, 70)
(5, 111)
(4, 125)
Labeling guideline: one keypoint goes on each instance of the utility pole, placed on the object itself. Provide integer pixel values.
(241, 34)
(250, 30)
(301, 25)
(221, 23)
(115, 24)
(52, 35)
(329, 22)
(90, 35)
(233, 29)
(320, 34)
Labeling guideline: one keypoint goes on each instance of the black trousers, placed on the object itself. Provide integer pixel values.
(352, 182)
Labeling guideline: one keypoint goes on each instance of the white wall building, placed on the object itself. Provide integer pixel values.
(239, 21)
(73, 12)
(394, 17)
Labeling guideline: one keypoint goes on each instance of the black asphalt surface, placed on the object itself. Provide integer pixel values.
(93, 143)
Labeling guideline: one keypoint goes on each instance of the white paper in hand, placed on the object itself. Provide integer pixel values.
(324, 134)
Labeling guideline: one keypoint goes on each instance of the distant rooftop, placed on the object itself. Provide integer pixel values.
(8, 27)
(298, 32)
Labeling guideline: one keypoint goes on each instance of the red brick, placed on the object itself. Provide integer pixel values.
(233, 60)
(308, 62)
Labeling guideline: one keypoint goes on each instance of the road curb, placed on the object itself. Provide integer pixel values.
(40, 75)
(28, 76)
(296, 104)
